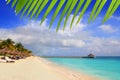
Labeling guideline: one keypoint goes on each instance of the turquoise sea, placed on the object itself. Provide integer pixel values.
(104, 67)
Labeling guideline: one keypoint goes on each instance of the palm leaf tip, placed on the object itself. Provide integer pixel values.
(48, 10)
(8, 1)
(56, 12)
(77, 9)
(109, 10)
(26, 7)
(36, 8)
(32, 6)
(14, 2)
(41, 8)
(20, 5)
(94, 9)
(83, 11)
(116, 5)
(63, 13)
(99, 9)
(69, 12)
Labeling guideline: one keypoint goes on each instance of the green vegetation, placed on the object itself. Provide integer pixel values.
(10, 48)
(34, 7)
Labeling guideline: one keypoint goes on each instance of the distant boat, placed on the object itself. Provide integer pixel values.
(91, 55)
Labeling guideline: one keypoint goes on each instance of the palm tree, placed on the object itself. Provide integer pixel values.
(19, 47)
(1, 46)
(7, 49)
(8, 43)
(36, 6)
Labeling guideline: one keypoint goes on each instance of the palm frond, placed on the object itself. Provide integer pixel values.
(56, 12)
(77, 9)
(83, 10)
(14, 2)
(8, 1)
(26, 7)
(100, 8)
(63, 13)
(20, 5)
(41, 7)
(109, 10)
(69, 12)
(48, 10)
(94, 9)
(116, 5)
(34, 7)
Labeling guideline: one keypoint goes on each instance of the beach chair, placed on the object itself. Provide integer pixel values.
(2, 61)
(9, 60)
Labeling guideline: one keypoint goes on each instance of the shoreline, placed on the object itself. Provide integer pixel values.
(37, 68)
(73, 74)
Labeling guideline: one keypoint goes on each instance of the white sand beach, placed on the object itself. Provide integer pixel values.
(34, 68)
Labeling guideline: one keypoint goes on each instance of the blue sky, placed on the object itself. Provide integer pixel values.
(101, 39)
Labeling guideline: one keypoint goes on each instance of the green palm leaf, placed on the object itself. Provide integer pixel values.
(99, 9)
(94, 9)
(109, 10)
(84, 9)
(117, 4)
(63, 13)
(48, 10)
(34, 7)
(20, 5)
(70, 10)
(56, 12)
(41, 8)
(14, 2)
(26, 7)
(8, 1)
(77, 9)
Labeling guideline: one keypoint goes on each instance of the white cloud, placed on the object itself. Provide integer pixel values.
(107, 28)
(104, 46)
(73, 42)
(33, 33)
(70, 42)
(75, 28)
(116, 18)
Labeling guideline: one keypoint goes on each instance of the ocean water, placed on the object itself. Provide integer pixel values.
(104, 67)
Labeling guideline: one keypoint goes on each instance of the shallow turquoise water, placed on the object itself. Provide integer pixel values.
(104, 67)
